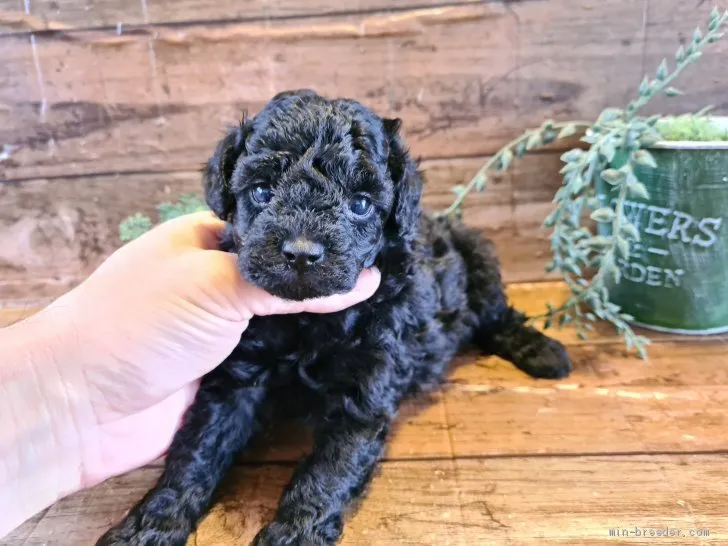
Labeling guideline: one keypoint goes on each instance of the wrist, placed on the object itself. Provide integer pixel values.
(40, 436)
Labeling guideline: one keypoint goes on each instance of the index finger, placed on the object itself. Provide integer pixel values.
(198, 229)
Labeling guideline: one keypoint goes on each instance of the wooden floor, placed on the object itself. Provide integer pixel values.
(499, 458)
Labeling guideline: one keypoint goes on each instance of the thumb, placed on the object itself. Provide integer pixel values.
(260, 302)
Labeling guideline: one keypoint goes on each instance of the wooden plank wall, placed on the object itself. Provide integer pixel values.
(109, 106)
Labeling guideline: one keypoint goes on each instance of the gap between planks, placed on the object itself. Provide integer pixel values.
(24, 23)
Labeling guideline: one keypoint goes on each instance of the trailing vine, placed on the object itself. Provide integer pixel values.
(617, 143)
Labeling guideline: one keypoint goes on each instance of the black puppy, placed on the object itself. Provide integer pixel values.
(314, 191)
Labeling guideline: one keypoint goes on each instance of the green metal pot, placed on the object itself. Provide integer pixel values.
(676, 279)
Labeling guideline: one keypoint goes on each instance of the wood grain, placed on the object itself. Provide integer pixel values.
(54, 232)
(465, 79)
(518, 501)
(612, 403)
(81, 14)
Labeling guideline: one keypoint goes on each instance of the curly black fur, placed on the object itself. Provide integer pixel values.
(345, 372)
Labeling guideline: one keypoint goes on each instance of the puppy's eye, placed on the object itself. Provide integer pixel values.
(360, 205)
(261, 194)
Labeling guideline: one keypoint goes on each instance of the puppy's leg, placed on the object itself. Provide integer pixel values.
(502, 330)
(217, 425)
(343, 460)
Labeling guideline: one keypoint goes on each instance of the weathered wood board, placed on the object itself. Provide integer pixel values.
(464, 78)
(53, 232)
(511, 501)
(78, 14)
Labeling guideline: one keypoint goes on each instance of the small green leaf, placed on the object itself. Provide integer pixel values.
(629, 231)
(715, 37)
(567, 131)
(520, 149)
(610, 114)
(662, 71)
(697, 35)
(604, 214)
(458, 189)
(572, 155)
(550, 220)
(645, 87)
(533, 141)
(642, 352)
(713, 25)
(623, 247)
(581, 335)
(598, 241)
(638, 189)
(571, 267)
(643, 157)
(672, 92)
(680, 54)
(715, 14)
(613, 176)
(547, 323)
(608, 151)
(648, 139)
(548, 136)
(480, 182)
(559, 195)
(505, 159)
(570, 167)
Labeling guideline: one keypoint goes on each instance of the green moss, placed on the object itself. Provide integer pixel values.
(138, 224)
(134, 226)
(691, 128)
(187, 204)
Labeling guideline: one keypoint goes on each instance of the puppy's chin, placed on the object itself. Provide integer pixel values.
(290, 285)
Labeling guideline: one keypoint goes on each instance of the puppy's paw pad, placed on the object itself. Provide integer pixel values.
(550, 361)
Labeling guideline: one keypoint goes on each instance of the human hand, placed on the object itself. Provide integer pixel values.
(128, 345)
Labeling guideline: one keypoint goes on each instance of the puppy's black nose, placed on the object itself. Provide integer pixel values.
(302, 253)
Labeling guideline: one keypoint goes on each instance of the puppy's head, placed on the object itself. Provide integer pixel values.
(315, 191)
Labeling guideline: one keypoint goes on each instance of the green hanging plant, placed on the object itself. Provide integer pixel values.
(616, 145)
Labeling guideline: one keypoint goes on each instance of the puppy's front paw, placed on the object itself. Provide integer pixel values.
(286, 534)
(545, 359)
(135, 530)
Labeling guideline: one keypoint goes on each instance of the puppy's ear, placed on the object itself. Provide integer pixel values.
(219, 169)
(405, 215)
